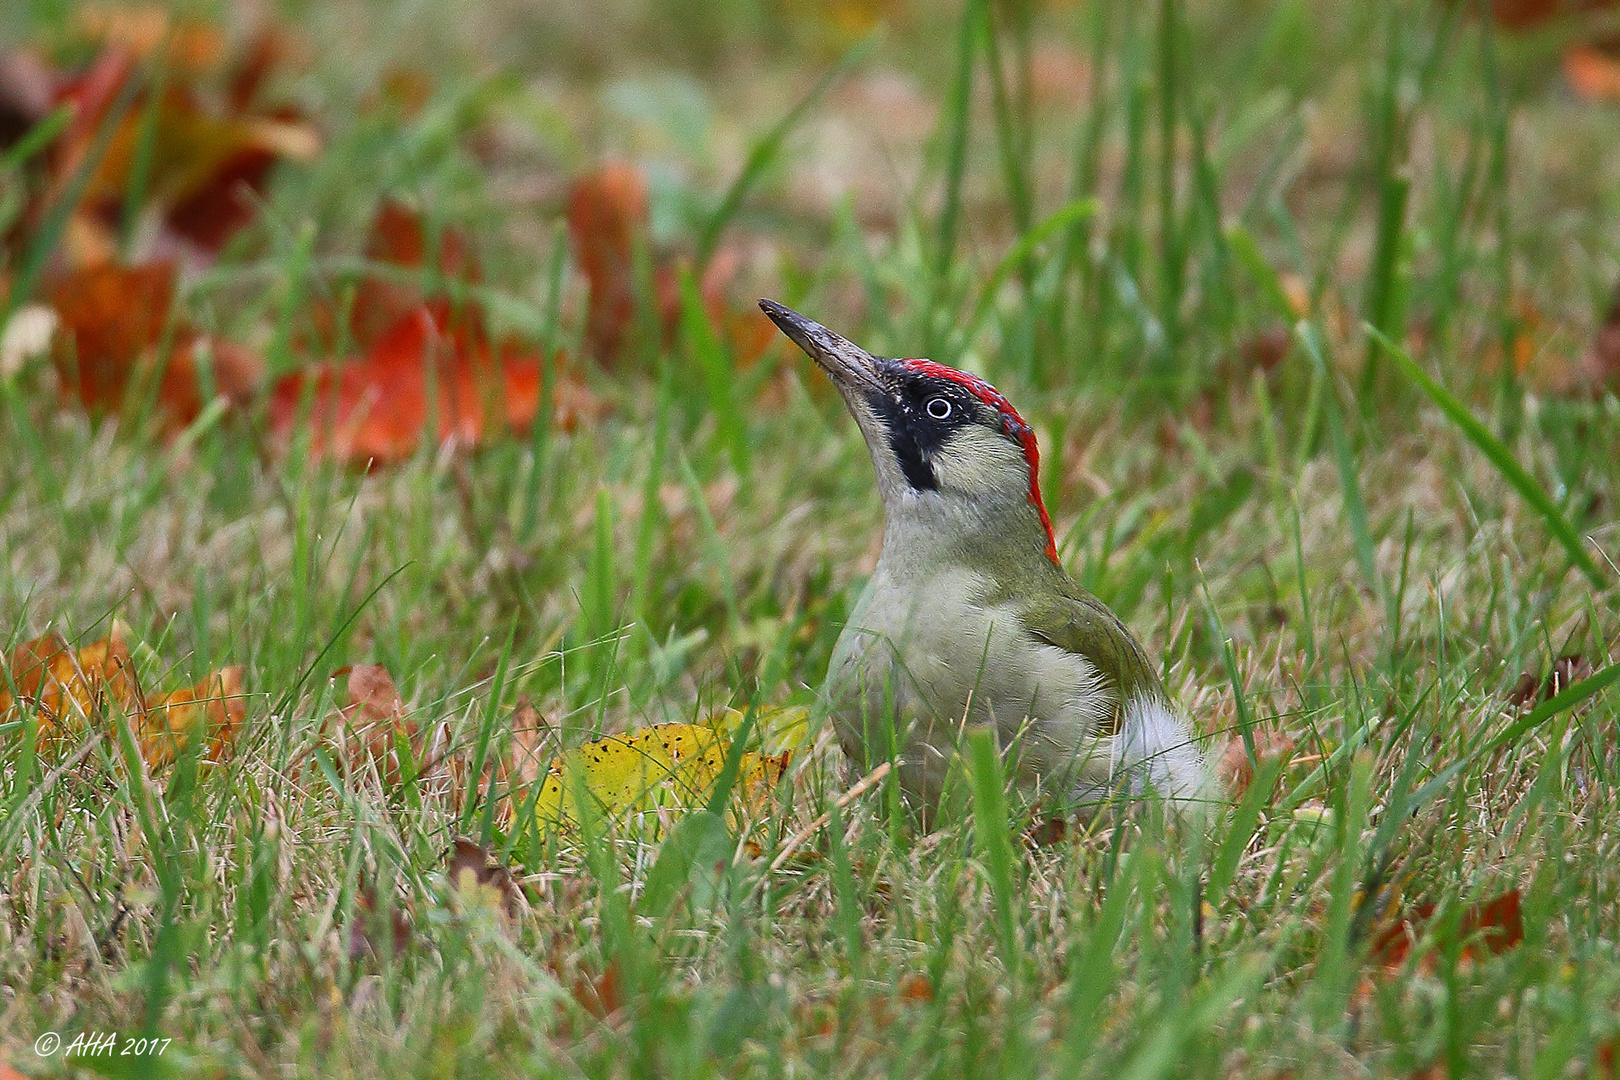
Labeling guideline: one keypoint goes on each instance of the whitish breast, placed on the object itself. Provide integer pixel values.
(915, 666)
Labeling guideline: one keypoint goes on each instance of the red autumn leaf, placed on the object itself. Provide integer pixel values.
(399, 238)
(607, 213)
(607, 218)
(415, 378)
(113, 322)
(208, 158)
(1489, 928)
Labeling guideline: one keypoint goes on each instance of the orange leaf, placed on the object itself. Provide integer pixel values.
(1592, 73)
(376, 409)
(215, 707)
(70, 689)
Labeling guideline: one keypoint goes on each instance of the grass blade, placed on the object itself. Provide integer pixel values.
(990, 827)
(1075, 212)
(1499, 455)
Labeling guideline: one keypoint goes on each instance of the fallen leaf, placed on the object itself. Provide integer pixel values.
(1523, 694)
(599, 995)
(528, 759)
(607, 215)
(71, 690)
(145, 29)
(1592, 72)
(1566, 671)
(367, 929)
(607, 220)
(375, 721)
(479, 879)
(662, 767)
(417, 378)
(1599, 366)
(915, 988)
(399, 238)
(1488, 928)
(1529, 14)
(1234, 768)
(77, 691)
(114, 324)
(204, 157)
(214, 708)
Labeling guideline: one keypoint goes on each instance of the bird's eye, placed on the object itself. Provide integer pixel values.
(939, 408)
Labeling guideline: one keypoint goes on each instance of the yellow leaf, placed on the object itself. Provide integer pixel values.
(667, 767)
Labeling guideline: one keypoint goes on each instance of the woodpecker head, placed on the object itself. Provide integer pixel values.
(948, 448)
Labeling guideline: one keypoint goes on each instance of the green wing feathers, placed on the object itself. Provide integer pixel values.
(1085, 626)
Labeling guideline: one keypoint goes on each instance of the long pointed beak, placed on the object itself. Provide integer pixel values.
(849, 365)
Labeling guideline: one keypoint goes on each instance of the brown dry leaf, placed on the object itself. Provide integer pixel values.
(599, 995)
(115, 322)
(478, 878)
(1530, 14)
(1523, 694)
(1234, 768)
(1599, 366)
(375, 723)
(367, 928)
(530, 756)
(1567, 670)
(419, 376)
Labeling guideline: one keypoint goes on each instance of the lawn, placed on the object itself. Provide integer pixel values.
(1309, 305)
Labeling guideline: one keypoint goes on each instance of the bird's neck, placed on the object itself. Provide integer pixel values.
(924, 530)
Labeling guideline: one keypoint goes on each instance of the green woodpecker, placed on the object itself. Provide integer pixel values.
(968, 617)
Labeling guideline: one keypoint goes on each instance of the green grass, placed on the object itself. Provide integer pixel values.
(1358, 554)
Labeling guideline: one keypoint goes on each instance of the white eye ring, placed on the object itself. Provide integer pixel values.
(939, 408)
